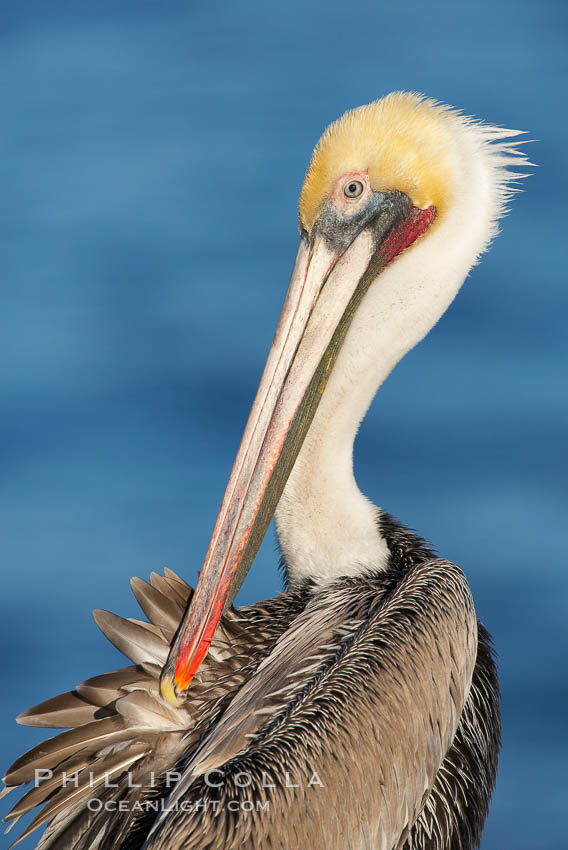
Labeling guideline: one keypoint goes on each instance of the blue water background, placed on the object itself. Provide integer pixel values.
(151, 157)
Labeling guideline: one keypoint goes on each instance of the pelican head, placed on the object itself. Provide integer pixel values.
(400, 199)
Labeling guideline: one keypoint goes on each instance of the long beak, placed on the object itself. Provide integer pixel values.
(327, 284)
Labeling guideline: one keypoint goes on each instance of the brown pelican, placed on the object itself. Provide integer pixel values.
(359, 709)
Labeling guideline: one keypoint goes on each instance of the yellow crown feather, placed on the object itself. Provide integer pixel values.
(402, 141)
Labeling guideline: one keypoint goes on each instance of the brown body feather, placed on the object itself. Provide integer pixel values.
(362, 715)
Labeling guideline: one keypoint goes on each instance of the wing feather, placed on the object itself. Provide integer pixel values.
(118, 722)
(60, 712)
(365, 688)
(138, 643)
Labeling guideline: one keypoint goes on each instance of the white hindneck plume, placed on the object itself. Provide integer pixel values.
(326, 527)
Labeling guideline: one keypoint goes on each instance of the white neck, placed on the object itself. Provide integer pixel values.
(326, 527)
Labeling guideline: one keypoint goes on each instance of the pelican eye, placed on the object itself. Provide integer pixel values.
(353, 189)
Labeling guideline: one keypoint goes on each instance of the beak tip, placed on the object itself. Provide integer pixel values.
(168, 690)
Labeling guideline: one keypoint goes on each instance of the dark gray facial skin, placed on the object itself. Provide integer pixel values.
(384, 209)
